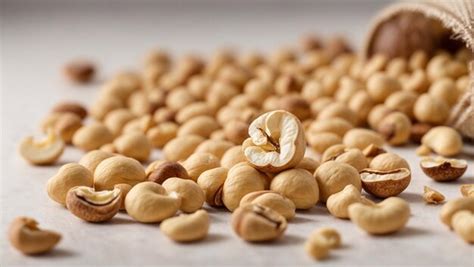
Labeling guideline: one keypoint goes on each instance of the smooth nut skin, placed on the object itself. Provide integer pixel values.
(333, 176)
(192, 196)
(361, 138)
(181, 147)
(277, 142)
(432, 196)
(212, 182)
(124, 189)
(319, 142)
(256, 223)
(321, 241)
(443, 140)
(214, 147)
(187, 227)
(233, 156)
(299, 186)
(463, 225)
(70, 107)
(353, 157)
(431, 110)
(388, 162)
(161, 134)
(241, 180)
(118, 170)
(148, 202)
(382, 218)
(160, 172)
(395, 128)
(198, 163)
(335, 125)
(93, 158)
(25, 236)
(453, 206)
(385, 184)
(134, 145)
(93, 136)
(117, 119)
(79, 71)
(67, 125)
(308, 164)
(442, 169)
(67, 177)
(339, 202)
(42, 152)
(82, 206)
(380, 86)
(272, 200)
(467, 190)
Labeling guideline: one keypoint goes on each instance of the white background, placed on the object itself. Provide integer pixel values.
(37, 37)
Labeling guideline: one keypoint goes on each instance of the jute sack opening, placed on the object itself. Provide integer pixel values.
(432, 25)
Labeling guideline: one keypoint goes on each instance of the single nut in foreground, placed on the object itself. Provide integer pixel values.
(277, 141)
(241, 180)
(453, 206)
(25, 236)
(212, 182)
(385, 184)
(93, 136)
(92, 159)
(79, 71)
(333, 176)
(256, 223)
(67, 177)
(42, 152)
(118, 170)
(321, 241)
(91, 205)
(467, 190)
(299, 186)
(338, 203)
(432, 196)
(272, 200)
(148, 202)
(385, 217)
(463, 225)
(443, 169)
(198, 163)
(158, 173)
(192, 196)
(187, 227)
(443, 140)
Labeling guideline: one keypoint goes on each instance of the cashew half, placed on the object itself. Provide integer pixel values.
(187, 227)
(385, 217)
(42, 152)
(25, 236)
(339, 202)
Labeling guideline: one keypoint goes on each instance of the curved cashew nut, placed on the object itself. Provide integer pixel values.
(25, 236)
(339, 202)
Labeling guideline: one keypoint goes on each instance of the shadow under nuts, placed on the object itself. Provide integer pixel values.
(93, 206)
(256, 223)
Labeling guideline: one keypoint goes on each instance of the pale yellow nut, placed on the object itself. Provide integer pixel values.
(42, 152)
(380, 86)
(194, 110)
(467, 190)
(187, 227)
(395, 128)
(308, 164)
(299, 186)
(339, 202)
(337, 110)
(272, 200)
(361, 138)
(233, 156)
(67, 125)
(92, 136)
(443, 140)
(91, 205)
(192, 196)
(161, 134)
(431, 110)
(67, 177)
(337, 126)
(214, 147)
(463, 225)
(453, 206)
(25, 235)
(134, 145)
(200, 125)
(181, 147)
(198, 163)
(432, 196)
(319, 142)
(333, 176)
(118, 170)
(387, 162)
(117, 119)
(385, 217)
(93, 158)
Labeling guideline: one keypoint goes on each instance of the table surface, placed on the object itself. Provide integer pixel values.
(38, 37)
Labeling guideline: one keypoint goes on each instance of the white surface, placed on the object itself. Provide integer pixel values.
(38, 38)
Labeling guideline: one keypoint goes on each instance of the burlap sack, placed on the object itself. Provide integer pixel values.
(432, 24)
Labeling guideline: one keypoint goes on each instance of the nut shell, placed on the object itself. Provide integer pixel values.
(385, 184)
(88, 211)
(442, 169)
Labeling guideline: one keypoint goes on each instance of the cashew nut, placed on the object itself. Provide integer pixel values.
(42, 152)
(25, 236)
(339, 202)
(187, 227)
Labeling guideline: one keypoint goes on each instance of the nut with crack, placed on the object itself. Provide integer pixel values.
(432, 196)
(272, 200)
(277, 142)
(467, 190)
(187, 227)
(382, 218)
(212, 182)
(25, 236)
(453, 206)
(385, 184)
(339, 202)
(93, 206)
(463, 225)
(42, 152)
(256, 223)
(443, 169)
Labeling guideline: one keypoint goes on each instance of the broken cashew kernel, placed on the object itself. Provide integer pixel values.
(432, 196)
(42, 152)
(25, 236)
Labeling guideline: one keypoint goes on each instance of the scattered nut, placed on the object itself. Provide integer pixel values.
(198, 163)
(443, 140)
(335, 125)
(272, 200)
(299, 186)
(187, 227)
(443, 169)
(181, 147)
(467, 190)
(432, 196)
(333, 176)
(93, 136)
(388, 162)
(338, 203)
(380, 86)
(361, 138)
(418, 130)
(79, 71)
(25, 236)
(385, 217)
(67, 177)
(319, 142)
(93, 158)
(268, 132)
(453, 206)
(42, 152)
(118, 170)
(161, 134)
(160, 170)
(431, 110)
(134, 145)
(385, 184)
(192, 196)
(212, 182)
(70, 107)
(66, 125)
(463, 225)
(233, 156)
(93, 206)
(396, 128)
(308, 164)
(256, 223)
(148, 202)
(200, 125)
